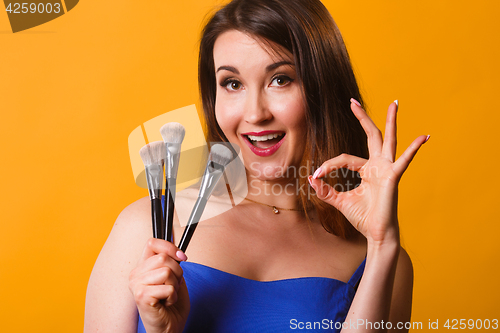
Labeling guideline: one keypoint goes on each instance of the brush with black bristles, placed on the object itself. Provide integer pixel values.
(173, 134)
(220, 156)
(153, 156)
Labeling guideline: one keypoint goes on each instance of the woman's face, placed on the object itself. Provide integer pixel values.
(259, 104)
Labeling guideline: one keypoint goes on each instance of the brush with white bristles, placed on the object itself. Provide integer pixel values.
(153, 156)
(220, 156)
(172, 134)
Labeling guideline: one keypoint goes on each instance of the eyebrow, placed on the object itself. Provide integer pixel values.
(228, 68)
(278, 64)
(268, 68)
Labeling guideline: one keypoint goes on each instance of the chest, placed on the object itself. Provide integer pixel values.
(247, 248)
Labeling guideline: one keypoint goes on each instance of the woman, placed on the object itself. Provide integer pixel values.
(276, 80)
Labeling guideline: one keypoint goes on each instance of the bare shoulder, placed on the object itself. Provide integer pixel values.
(130, 232)
(109, 305)
(134, 219)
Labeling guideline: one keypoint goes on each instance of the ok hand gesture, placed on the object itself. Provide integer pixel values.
(372, 206)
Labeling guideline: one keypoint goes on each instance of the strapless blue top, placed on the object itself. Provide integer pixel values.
(222, 302)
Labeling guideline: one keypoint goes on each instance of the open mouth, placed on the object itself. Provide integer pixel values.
(264, 141)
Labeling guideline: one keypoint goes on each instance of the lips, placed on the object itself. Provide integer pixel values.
(264, 143)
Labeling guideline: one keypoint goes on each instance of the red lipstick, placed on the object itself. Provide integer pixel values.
(263, 152)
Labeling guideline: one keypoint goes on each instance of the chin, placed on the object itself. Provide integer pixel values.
(268, 171)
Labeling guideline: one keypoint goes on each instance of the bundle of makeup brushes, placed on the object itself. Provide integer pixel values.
(161, 157)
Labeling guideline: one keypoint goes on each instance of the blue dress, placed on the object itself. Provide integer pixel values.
(224, 302)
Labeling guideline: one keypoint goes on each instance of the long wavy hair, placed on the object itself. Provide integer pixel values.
(306, 29)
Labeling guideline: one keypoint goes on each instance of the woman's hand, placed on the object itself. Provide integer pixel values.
(372, 206)
(159, 289)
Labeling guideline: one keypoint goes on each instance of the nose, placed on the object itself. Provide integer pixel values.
(257, 108)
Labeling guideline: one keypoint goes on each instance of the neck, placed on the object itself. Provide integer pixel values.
(282, 193)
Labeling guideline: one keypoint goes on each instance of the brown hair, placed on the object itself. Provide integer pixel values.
(306, 29)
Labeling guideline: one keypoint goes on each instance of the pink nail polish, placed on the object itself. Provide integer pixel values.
(316, 173)
(397, 104)
(356, 102)
(310, 180)
(427, 138)
(181, 255)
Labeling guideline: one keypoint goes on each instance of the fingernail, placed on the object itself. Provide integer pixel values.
(356, 102)
(316, 173)
(427, 138)
(181, 255)
(397, 104)
(310, 178)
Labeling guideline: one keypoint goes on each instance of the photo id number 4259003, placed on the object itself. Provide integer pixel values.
(462, 324)
(24, 8)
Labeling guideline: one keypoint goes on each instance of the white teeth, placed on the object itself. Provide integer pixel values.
(263, 137)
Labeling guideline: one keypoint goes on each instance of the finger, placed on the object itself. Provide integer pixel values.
(162, 275)
(324, 191)
(350, 162)
(405, 159)
(372, 132)
(150, 295)
(159, 261)
(390, 138)
(155, 246)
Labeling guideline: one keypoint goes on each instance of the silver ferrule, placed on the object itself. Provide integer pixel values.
(172, 160)
(212, 174)
(154, 177)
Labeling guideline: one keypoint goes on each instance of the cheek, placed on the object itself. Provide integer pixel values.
(293, 115)
(227, 118)
(290, 107)
(298, 116)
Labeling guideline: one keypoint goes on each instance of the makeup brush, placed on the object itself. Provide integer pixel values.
(153, 156)
(172, 134)
(220, 156)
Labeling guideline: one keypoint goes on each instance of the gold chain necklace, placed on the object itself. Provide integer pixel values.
(276, 210)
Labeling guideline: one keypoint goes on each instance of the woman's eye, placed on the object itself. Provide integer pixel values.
(232, 85)
(280, 81)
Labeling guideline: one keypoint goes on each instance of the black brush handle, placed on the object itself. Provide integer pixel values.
(156, 216)
(196, 213)
(168, 208)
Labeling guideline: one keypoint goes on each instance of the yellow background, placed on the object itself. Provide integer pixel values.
(73, 89)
